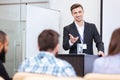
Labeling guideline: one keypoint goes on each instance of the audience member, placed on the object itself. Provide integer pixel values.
(110, 63)
(3, 50)
(45, 62)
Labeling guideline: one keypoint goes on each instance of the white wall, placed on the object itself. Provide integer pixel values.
(111, 19)
(38, 19)
(91, 9)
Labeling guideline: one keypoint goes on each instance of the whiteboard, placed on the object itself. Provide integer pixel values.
(39, 19)
(111, 20)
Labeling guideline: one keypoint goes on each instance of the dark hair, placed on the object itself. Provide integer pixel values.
(114, 46)
(48, 39)
(2, 37)
(76, 5)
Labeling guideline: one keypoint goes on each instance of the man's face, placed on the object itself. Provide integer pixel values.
(78, 13)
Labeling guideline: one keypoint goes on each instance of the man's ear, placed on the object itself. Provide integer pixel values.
(1, 46)
(57, 48)
(38, 47)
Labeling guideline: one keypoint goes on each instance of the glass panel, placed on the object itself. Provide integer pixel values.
(13, 22)
(10, 23)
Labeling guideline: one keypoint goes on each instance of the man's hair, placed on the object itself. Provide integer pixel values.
(114, 46)
(2, 36)
(76, 5)
(48, 39)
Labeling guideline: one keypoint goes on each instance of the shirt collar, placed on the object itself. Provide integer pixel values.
(78, 25)
(46, 53)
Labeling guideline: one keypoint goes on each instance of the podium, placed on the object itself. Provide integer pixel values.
(82, 63)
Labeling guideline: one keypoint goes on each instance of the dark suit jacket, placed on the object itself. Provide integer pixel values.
(90, 34)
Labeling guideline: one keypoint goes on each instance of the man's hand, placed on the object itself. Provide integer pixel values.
(101, 54)
(73, 39)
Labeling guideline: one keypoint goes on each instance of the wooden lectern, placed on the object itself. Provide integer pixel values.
(82, 63)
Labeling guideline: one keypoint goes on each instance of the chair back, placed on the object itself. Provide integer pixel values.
(23, 75)
(53, 78)
(1, 78)
(34, 76)
(98, 76)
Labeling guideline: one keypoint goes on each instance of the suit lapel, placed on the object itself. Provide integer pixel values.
(75, 31)
(85, 31)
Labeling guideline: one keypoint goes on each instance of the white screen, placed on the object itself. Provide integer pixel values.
(39, 19)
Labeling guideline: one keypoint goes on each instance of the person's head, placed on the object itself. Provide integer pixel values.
(48, 41)
(77, 12)
(3, 45)
(114, 46)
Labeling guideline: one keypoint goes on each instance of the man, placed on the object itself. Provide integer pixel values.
(3, 51)
(81, 32)
(45, 62)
